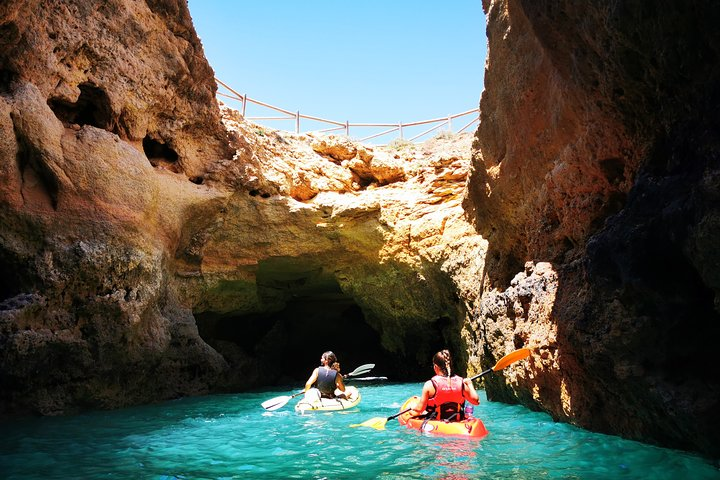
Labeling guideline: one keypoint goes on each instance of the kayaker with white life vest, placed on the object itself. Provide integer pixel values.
(326, 379)
(444, 394)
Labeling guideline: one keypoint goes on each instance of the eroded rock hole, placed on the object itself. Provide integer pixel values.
(91, 108)
(255, 193)
(160, 154)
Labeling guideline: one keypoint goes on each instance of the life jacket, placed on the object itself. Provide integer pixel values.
(326, 381)
(448, 401)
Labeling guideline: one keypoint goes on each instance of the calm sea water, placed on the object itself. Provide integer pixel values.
(231, 436)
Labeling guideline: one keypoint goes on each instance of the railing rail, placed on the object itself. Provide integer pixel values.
(346, 125)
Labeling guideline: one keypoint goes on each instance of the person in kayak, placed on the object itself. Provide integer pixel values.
(444, 394)
(326, 378)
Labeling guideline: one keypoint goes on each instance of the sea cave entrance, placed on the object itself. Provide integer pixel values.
(283, 346)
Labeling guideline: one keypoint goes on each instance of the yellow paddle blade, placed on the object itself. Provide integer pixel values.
(511, 357)
(378, 423)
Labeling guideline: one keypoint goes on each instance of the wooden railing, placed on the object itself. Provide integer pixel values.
(296, 116)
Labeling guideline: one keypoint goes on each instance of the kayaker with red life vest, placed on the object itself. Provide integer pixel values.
(326, 378)
(444, 394)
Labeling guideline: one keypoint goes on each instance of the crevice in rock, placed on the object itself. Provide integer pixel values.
(91, 108)
(365, 181)
(7, 77)
(11, 282)
(39, 184)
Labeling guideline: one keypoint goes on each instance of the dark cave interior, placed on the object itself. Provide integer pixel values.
(287, 345)
(311, 314)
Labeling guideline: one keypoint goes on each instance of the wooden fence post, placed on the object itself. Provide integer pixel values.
(244, 100)
(297, 122)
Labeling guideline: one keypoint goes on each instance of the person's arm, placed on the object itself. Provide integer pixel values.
(313, 378)
(470, 393)
(427, 391)
(339, 382)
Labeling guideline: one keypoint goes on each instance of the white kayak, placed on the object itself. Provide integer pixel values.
(312, 402)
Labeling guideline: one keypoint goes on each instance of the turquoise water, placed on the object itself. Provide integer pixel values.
(231, 436)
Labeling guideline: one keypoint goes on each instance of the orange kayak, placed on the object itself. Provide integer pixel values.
(470, 427)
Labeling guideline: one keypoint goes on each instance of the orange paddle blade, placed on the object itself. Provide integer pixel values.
(511, 357)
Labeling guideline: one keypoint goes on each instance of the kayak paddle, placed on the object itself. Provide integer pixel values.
(361, 370)
(378, 423)
(279, 402)
(511, 357)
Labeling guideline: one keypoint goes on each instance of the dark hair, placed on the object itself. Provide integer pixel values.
(443, 361)
(331, 360)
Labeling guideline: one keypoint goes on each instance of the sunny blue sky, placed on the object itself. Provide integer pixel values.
(366, 61)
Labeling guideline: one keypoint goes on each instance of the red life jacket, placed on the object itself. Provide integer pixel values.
(448, 396)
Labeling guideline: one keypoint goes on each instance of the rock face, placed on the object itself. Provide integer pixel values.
(157, 246)
(91, 97)
(596, 156)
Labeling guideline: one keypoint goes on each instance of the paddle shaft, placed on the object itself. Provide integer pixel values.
(511, 357)
(398, 414)
(481, 374)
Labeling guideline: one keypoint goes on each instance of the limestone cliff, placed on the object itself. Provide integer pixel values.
(158, 247)
(597, 157)
(107, 124)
